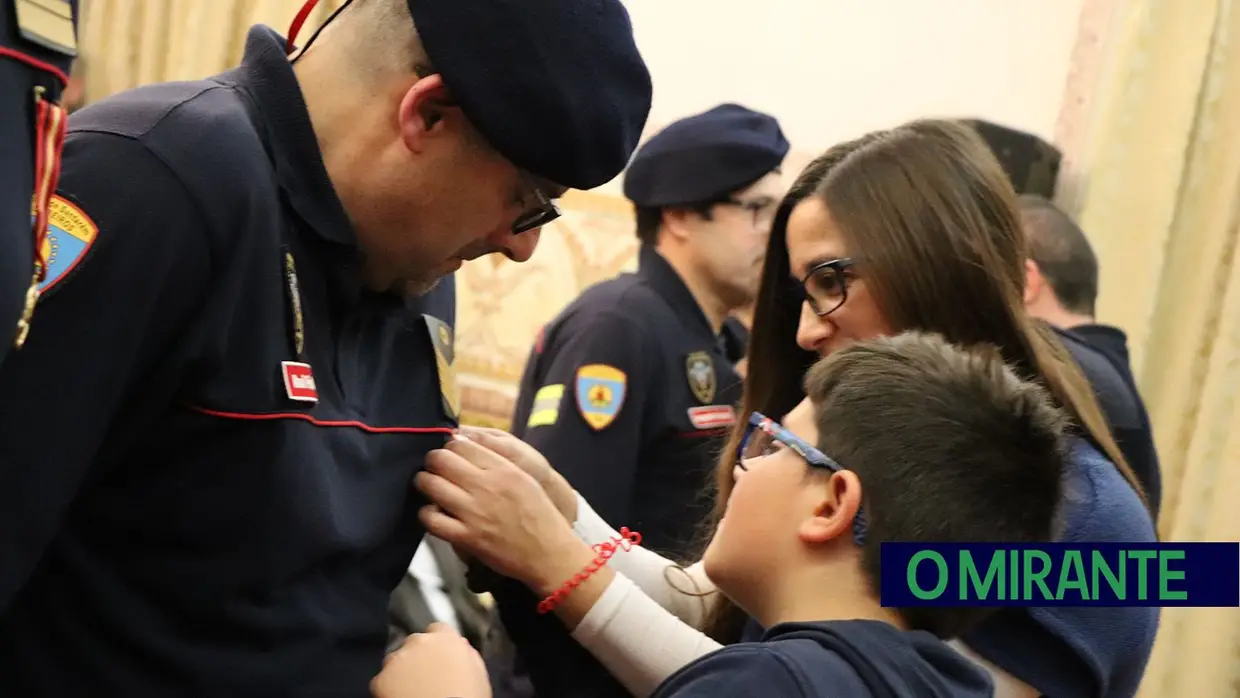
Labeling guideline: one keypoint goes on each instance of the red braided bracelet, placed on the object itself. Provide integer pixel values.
(604, 551)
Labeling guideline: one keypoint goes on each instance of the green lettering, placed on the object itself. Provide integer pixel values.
(1143, 558)
(969, 575)
(1074, 565)
(911, 574)
(1098, 563)
(1014, 578)
(1038, 577)
(1165, 574)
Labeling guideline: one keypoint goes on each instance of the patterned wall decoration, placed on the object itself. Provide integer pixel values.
(501, 304)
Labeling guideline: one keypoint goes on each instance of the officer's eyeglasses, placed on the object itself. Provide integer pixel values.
(764, 436)
(825, 285)
(540, 213)
(762, 211)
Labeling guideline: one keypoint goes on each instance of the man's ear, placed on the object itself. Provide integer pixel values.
(678, 222)
(424, 110)
(1034, 281)
(834, 513)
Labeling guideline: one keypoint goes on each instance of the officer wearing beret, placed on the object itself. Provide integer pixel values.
(37, 45)
(630, 390)
(207, 443)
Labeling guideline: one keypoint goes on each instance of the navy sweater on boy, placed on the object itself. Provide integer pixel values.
(837, 659)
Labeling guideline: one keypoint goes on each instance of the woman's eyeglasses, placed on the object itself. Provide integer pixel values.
(825, 285)
(764, 436)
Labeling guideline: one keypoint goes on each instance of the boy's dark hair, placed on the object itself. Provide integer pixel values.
(950, 446)
(1062, 252)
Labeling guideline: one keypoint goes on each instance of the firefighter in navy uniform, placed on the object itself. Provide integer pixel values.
(38, 41)
(206, 444)
(630, 391)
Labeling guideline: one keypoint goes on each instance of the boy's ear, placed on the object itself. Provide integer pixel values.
(834, 513)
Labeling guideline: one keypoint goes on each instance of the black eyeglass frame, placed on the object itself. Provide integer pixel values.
(544, 210)
(838, 266)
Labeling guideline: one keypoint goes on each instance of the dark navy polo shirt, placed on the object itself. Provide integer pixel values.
(18, 81)
(630, 395)
(182, 526)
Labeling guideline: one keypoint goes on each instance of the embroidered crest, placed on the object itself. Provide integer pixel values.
(701, 372)
(70, 234)
(441, 339)
(600, 394)
(546, 408)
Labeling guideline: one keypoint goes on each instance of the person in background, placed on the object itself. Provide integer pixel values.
(37, 46)
(906, 439)
(630, 390)
(1061, 288)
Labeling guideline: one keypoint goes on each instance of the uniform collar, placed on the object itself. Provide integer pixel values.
(660, 275)
(284, 122)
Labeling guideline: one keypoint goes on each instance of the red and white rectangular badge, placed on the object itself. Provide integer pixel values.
(299, 382)
(712, 416)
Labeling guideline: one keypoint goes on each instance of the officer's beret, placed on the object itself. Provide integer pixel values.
(556, 86)
(1030, 162)
(704, 157)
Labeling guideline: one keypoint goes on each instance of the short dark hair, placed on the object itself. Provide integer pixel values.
(1062, 252)
(650, 219)
(950, 445)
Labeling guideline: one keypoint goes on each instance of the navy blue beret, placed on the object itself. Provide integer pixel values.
(556, 86)
(704, 157)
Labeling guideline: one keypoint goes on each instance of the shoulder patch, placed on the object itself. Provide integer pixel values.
(70, 235)
(600, 394)
(546, 408)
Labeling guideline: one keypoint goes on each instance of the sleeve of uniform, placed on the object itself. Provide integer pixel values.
(737, 672)
(586, 412)
(128, 291)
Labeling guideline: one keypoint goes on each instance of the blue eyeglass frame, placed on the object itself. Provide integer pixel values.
(814, 457)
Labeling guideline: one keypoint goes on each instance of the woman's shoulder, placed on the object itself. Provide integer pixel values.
(1099, 505)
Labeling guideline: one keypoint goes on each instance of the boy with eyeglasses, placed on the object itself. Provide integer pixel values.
(903, 439)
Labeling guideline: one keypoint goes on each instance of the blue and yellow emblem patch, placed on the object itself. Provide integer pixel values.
(70, 234)
(600, 394)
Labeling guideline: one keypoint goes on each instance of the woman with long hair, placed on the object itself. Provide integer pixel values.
(914, 228)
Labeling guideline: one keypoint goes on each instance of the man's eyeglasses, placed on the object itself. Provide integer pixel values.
(763, 211)
(543, 211)
(764, 436)
(825, 285)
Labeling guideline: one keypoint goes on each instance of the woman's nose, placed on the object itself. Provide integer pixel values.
(812, 331)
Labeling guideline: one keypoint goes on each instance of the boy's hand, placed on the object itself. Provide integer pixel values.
(433, 664)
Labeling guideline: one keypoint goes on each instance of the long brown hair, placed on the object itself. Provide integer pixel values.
(934, 220)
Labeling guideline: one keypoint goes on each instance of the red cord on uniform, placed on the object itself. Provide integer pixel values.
(604, 552)
(295, 28)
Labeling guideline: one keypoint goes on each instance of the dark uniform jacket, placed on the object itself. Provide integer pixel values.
(18, 81)
(1102, 353)
(181, 520)
(629, 393)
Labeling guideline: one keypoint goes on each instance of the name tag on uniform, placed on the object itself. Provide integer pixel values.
(48, 23)
(299, 382)
(712, 416)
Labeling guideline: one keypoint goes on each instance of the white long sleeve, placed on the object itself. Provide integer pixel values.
(686, 592)
(639, 642)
